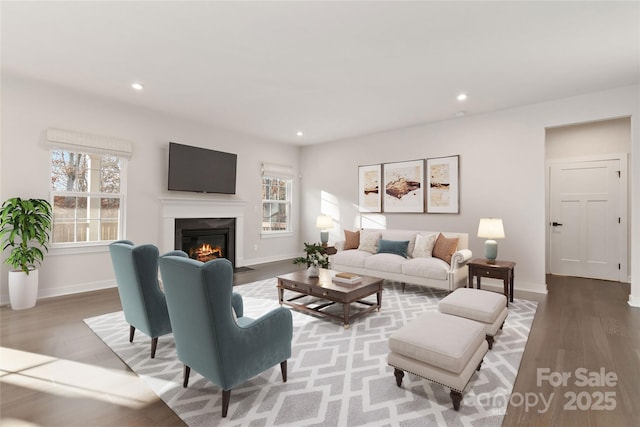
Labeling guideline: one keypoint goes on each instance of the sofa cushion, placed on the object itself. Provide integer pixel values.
(389, 263)
(431, 268)
(369, 241)
(352, 258)
(351, 239)
(409, 235)
(397, 247)
(423, 247)
(444, 248)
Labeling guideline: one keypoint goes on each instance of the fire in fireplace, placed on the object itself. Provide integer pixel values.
(205, 239)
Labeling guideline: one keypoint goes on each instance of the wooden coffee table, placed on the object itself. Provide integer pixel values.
(330, 291)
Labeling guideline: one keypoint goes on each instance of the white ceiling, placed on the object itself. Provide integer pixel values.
(331, 69)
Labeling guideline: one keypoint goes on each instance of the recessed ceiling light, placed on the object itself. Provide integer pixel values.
(137, 86)
(299, 133)
(462, 97)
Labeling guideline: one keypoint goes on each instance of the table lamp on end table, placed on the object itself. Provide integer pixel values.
(324, 222)
(491, 229)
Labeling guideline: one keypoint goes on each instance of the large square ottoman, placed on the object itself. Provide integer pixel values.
(440, 348)
(488, 308)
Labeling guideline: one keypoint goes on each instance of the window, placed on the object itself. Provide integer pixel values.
(276, 204)
(88, 198)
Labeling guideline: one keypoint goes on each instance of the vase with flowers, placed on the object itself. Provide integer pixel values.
(315, 258)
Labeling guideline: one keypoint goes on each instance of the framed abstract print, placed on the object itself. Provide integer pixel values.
(443, 188)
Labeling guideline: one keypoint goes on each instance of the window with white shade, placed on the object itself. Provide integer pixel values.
(277, 182)
(88, 178)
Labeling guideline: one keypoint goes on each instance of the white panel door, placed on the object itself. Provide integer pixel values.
(584, 219)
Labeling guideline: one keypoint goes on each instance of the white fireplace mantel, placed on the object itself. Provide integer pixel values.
(202, 208)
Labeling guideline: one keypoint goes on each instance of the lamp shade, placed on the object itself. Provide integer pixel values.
(324, 221)
(491, 228)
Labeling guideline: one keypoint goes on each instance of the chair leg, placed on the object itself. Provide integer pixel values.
(186, 371)
(154, 345)
(399, 374)
(132, 330)
(456, 398)
(226, 396)
(283, 368)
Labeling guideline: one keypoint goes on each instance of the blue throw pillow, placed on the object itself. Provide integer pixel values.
(393, 247)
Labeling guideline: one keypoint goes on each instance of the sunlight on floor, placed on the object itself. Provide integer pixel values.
(67, 378)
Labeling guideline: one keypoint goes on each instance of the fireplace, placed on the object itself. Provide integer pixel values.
(205, 239)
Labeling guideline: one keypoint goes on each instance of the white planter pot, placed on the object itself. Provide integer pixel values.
(313, 271)
(23, 289)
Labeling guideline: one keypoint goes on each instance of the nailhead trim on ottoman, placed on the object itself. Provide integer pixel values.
(441, 348)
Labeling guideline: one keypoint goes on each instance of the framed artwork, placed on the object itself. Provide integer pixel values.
(404, 186)
(369, 197)
(443, 188)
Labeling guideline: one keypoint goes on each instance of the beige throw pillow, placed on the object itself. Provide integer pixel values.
(444, 248)
(369, 241)
(424, 245)
(351, 239)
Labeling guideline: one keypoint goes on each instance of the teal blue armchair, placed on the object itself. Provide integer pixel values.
(143, 302)
(226, 350)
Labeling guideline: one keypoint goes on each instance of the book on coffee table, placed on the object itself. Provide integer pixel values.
(346, 277)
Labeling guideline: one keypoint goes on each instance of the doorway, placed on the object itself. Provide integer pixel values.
(587, 200)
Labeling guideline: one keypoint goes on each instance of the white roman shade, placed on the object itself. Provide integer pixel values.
(277, 171)
(85, 142)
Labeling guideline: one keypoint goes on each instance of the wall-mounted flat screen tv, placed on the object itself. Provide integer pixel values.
(201, 170)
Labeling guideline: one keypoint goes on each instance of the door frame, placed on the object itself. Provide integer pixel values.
(623, 238)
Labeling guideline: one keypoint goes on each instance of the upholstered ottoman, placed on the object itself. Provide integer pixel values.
(488, 308)
(440, 348)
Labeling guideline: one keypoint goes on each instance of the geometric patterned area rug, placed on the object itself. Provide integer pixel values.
(336, 376)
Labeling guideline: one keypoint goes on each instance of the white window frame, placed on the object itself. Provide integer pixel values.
(91, 145)
(285, 173)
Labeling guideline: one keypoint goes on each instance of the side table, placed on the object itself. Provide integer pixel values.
(480, 267)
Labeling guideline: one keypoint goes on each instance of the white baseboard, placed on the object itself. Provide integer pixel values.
(634, 301)
(67, 290)
(255, 261)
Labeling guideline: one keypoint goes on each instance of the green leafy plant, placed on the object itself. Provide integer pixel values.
(24, 227)
(315, 255)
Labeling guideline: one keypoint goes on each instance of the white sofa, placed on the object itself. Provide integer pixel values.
(420, 270)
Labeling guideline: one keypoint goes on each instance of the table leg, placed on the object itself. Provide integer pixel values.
(470, 279)
(506, 289)
(478, 278)
(345, 314)
(511, 285)
(379, 295)
(280, 295)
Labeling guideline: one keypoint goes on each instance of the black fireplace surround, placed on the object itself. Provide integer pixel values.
(204, 239)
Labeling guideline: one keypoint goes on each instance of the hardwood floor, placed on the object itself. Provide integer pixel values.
(56, 365)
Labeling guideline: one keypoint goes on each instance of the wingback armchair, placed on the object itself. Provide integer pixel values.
(226, 349)
(143, 302)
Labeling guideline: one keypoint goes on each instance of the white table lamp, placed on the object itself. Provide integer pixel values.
(491, 229)
(324, 222)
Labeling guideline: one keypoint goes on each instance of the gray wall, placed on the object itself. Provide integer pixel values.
(30, 107)
(502, 166)
(502, 174)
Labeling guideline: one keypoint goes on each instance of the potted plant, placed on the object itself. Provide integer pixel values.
(24, 228)
(315, 258)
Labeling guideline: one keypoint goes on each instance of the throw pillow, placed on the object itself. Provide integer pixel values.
(444, 248)
(398, 247)
(351, 239)
(369, 241)
(424, 245)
